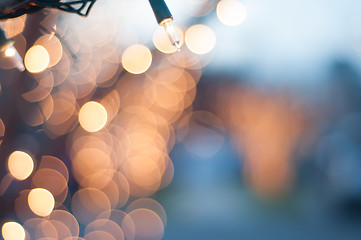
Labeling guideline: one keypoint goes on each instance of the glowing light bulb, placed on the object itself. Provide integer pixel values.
(9, 51)
(14, 57)
(172, 35)
(165, 18)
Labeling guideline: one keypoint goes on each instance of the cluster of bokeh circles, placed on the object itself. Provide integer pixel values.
(120, 106)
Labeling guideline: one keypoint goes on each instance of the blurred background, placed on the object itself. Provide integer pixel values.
(251, 131)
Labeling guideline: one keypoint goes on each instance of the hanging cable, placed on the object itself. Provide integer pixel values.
(80, 7)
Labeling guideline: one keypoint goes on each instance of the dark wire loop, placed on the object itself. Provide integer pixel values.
(80, 7)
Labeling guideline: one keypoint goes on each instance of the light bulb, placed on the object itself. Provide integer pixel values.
(13, 55)
(172, 35)
(7, 47)
(165, 18)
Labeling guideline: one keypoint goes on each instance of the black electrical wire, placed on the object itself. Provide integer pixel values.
(80, 7)
(160, 10)
(68, 6)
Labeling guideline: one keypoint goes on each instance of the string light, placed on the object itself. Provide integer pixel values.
(165, 19)
(82, 8)
(9, 51)
(122, 173)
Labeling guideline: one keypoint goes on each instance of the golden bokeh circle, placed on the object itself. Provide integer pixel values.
(137, 59)
(20, 165)
(13, 231)
(200, 39)
(92, 116)
(41, 201)
(36, 59)
(231, 12)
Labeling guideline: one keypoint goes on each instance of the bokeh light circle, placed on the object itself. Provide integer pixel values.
(231, 12)
(88, 203)
(105, 225)
(92, 116)
(200, 39)
(36, 59)
(67, 218)
(20, 165)
(148, 225)
(13, 231)
(137, 59)
(41, 201)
